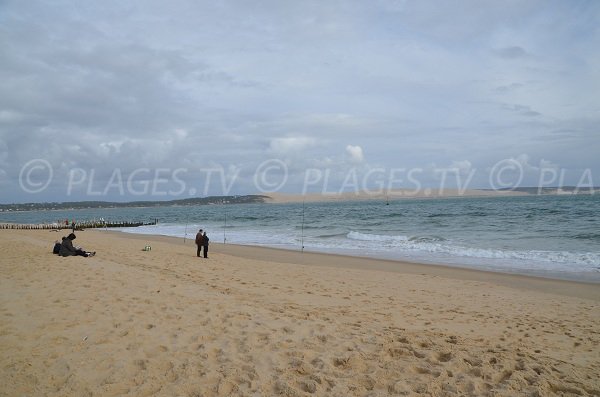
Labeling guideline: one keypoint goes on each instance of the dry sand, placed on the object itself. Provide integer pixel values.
(259, 322)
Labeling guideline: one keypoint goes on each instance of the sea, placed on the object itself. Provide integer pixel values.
(548, 236)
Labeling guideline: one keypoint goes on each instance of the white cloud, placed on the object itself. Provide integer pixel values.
(291, 144)
(355, 153)
(463, 166)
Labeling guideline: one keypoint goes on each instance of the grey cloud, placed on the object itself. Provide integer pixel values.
(521, 110)
(508, 88)
(513, 52)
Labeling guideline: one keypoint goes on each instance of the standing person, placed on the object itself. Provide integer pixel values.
(199, 242)
(205, 245)
(73, 225)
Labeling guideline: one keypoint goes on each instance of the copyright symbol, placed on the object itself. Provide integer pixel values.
(279, 175)
(35, 175)
(506, 174)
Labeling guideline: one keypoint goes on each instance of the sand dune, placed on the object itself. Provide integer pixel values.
(385, 195)
(163, 322)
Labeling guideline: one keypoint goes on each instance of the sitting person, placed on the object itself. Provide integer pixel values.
(67, 249)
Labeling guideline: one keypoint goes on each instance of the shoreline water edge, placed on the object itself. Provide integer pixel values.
(549, 236)
(460, 263)
(581, 288)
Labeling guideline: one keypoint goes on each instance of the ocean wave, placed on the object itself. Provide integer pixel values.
(562, 258)
(440, 246)
(312, 227)
(426, 239)
(332, 235)
(382, 237)
(441, 215)
(587, 236)
(543, 212)
(395, 215)
(477, 213)
(374, 237)
(246, 218)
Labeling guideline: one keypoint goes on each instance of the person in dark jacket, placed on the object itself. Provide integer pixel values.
(67, 248)
(199, 243)
(205, 245)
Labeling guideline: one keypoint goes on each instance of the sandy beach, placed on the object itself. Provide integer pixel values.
(253, 321)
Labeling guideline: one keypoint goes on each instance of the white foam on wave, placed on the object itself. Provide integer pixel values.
(375, 237)
(215, 232)
(430, 245)
(173, 230)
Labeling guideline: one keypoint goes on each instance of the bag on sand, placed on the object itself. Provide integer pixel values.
(56, 248)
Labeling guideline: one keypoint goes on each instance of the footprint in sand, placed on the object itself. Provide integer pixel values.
(444, 357)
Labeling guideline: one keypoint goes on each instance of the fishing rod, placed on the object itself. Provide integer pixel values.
(186, 225)
(224, 226)
(302, 229)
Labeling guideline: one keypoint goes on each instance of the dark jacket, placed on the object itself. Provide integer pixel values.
(66, 248)
(199, 239)
(205, 237)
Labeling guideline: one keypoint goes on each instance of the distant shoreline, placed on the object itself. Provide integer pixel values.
(394, 195)
(275, 198)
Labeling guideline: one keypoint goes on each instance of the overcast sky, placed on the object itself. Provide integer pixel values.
(98, 99)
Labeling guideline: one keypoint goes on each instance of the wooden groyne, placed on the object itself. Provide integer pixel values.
(78, 225)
